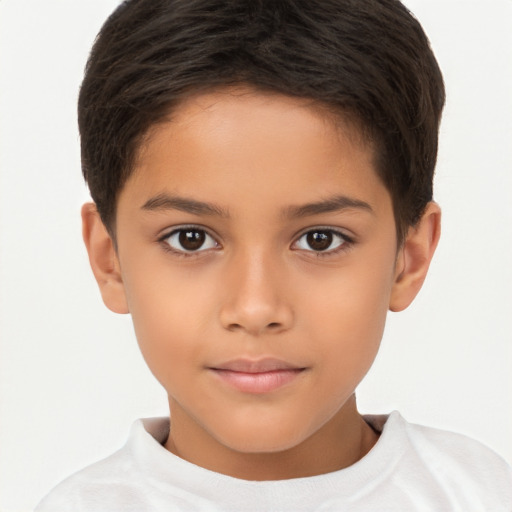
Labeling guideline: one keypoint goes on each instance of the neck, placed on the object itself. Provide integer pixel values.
(341, 442)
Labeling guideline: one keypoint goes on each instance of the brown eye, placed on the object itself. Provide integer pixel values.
(190, 240)
(321, 240)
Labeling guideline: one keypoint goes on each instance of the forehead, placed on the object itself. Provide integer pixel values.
(227, 140)
(245, 106)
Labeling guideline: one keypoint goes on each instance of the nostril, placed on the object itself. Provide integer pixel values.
(274, 325)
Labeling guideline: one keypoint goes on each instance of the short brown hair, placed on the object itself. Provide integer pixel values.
(367, 58)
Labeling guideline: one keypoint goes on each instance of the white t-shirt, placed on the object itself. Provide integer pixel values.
(410, 468)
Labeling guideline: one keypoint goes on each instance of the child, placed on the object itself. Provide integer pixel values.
(262, 182)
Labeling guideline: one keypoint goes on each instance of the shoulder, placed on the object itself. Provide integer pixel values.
(89, 488)
(454, 463)
(457, 451)
(115, 483)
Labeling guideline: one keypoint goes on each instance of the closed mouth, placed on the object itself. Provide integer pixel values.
(256, 366)
(257, 376)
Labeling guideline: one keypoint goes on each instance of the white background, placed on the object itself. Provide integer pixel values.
(71, 377)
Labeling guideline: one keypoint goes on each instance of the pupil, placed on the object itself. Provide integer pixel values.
(319, 240)
(191, 240)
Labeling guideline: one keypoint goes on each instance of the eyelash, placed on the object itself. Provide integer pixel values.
(345, 244)
(346, 241)
(163, 240)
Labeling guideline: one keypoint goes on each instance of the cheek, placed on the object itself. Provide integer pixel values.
(164, 321)
(356, 296)
(348, 316)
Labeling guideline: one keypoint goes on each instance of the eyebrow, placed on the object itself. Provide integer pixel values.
(163, 202)
(329, 205)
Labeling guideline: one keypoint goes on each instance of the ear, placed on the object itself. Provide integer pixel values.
(103, 259)
(414, 258)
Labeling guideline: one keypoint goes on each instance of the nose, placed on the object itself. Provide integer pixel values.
(256, 299)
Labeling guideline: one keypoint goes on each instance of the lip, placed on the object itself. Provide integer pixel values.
(257, 376)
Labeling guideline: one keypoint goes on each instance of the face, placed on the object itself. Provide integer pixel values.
(257, 249)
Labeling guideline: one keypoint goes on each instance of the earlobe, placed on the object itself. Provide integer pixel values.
(103, 259)
(414, 258)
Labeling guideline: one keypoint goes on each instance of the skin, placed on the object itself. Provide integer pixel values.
(257, 288)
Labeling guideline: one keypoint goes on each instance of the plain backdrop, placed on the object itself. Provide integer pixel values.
(71, 376)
